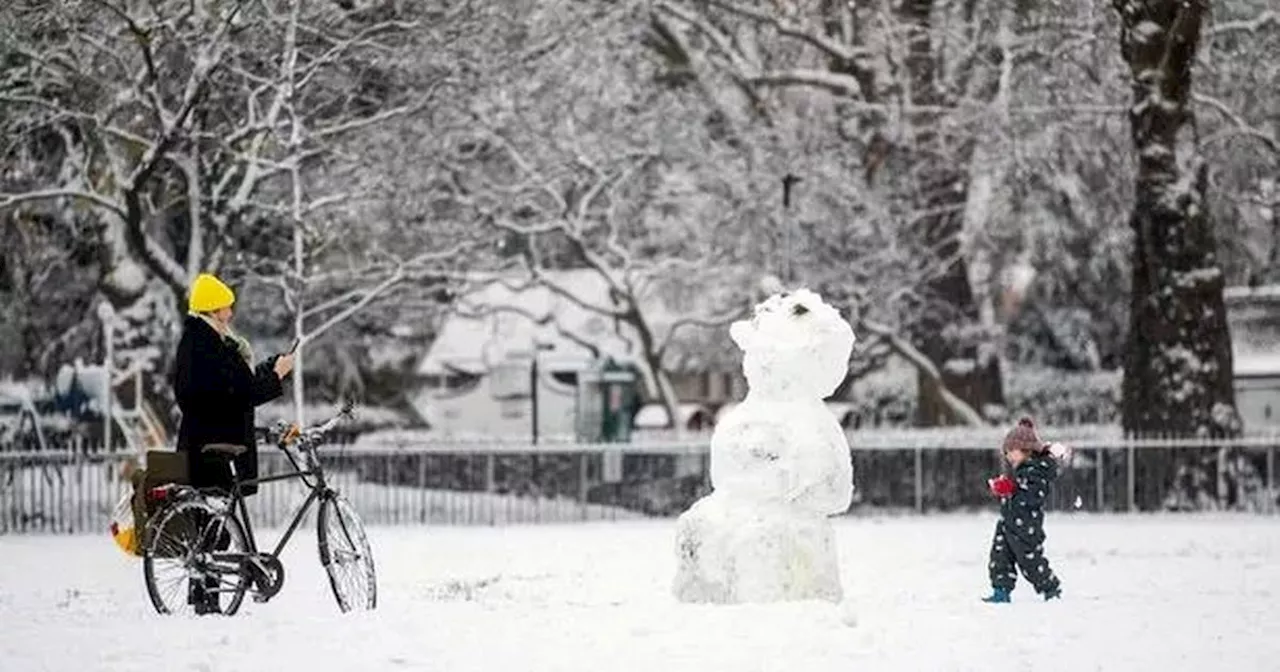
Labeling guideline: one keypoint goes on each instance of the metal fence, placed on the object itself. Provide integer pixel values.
(503, 482)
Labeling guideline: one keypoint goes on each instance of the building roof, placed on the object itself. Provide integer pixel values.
(654, 416)
(1256, 365)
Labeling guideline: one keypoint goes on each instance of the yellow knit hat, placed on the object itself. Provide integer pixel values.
(209, 294)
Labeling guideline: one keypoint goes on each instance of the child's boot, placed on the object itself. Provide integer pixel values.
(1053, 594)
(998, 595)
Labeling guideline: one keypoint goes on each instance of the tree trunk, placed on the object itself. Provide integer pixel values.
(1178, 368)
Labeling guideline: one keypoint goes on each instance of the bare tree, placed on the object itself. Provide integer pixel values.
(908, 98)
(176, 122)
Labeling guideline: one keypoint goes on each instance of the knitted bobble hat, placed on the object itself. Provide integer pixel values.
(1023, 436)
(209, 294)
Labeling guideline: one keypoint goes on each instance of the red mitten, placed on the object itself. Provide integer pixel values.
(1001, 486)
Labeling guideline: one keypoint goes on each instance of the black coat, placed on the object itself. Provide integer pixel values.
(1023, 513)
(217, 393)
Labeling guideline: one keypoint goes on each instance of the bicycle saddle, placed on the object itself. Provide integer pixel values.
(224, 449)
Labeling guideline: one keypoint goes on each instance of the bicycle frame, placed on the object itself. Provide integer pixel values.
(318, 490)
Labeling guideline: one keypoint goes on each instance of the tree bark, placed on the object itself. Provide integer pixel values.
(1178, 362)
(1178, 369)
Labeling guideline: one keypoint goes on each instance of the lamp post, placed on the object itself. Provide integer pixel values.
(788, 267)
(107, 315)
(533, 388)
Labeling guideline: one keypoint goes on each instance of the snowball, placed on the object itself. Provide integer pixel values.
(780, 464)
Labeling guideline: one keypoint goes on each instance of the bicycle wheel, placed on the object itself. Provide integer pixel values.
(186, 560)
(346, 556)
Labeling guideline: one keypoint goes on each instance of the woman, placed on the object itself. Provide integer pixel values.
(217, 389)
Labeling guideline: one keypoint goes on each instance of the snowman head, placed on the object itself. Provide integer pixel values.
(795, 346)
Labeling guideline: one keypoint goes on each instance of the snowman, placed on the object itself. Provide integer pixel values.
(780, 466)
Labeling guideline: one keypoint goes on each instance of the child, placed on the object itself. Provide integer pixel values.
(1019, 536)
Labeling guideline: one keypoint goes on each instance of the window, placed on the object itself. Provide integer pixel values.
(569, 378)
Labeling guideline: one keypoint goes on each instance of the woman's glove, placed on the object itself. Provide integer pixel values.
(1002, 486)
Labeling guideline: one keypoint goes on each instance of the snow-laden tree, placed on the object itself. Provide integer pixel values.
(46, 283)
(178, 125)
(574, 161)
(1237, 104)
(909, 88)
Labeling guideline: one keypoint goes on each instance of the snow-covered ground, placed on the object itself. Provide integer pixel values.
(1141, 593)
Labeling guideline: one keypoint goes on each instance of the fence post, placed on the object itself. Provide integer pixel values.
(1099, 477)
(108, 359)
(1130, 475)
(919, 479)
(422, 488)
(489, 470)
(1271, 478)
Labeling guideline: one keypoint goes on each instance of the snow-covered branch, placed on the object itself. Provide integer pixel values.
(9, 200)
(830, 47)
(540, 320)
(351, 125)
(1266, 18)
(360, 298)
(708, 322)
(366, 297)
(546, 279)
(722, 42)
(837, 83)
(958, 407)
(1241, 127)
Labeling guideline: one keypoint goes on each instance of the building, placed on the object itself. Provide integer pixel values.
(510, 345)
(1253, 315)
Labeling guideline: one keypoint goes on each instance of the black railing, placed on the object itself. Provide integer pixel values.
(502, 482)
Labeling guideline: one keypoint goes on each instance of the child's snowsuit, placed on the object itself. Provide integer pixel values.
(1019, 537)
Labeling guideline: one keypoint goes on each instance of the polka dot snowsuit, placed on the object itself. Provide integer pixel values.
(1019, 536)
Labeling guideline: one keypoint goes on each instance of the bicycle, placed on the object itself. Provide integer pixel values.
(206, 533)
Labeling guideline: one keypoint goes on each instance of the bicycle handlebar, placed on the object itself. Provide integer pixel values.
(290, 433)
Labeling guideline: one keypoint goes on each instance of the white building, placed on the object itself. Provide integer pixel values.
(1253, 314)
(476, 376)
